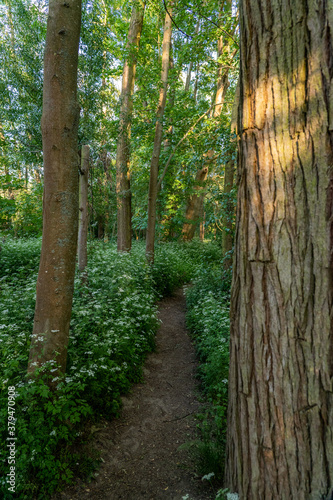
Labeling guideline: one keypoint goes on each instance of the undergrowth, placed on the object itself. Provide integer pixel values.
(208, 302)
(112, 329)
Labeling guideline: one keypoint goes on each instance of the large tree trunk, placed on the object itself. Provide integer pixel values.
(194, 206)
(152, 195)
(280, 417)
(83, 209)
(60, 204)
(124, 212)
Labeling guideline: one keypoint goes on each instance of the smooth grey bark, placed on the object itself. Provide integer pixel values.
(60, 120)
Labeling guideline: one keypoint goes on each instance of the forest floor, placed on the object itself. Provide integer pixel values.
(140, 451)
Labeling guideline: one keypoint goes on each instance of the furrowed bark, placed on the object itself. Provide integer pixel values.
(153, 190)
(124, 212)
(83, 209)
(280, 416)
(60, 202)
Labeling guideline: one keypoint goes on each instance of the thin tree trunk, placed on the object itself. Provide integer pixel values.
(124, 212)
(280, 416)
(152, 195)
(223, 52)
(2, 151)
(202, 222)
(159, 184)
(60, 204)
(171, 102)
(11, 26)
(83, 209)
(223, 49)
(100, 227)
(228, 215)
(190, 66)
(196, 82)
(188, 77)
(194, 205)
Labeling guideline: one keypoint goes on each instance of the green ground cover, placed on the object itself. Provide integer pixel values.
(112, 329)
(208, 304)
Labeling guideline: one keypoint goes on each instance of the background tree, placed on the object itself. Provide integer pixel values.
(60, 202)
(102, 53)
(152, 193)
(280, 386)
(124, 211)
(194, 205)
(21, 48)
(83, 209)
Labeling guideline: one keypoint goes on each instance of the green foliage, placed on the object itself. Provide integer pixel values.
(112, 328)
(101, 57)
(18, 259)
(208, 320)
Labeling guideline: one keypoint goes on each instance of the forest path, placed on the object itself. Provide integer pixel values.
(140, 450)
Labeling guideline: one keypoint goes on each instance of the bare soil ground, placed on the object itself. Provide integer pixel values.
(140, 450)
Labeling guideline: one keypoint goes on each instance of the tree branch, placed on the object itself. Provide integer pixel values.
(215, 24)
(178, 144)
(199, 16)
(174, 22)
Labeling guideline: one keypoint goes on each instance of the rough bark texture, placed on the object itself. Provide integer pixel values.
(152, 194)
(60, 203)
(83, 208)
(280, 440)
(124, 212)
(194, 206)
(228, 214)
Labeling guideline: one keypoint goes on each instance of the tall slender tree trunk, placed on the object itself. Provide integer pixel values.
(171, 103)
(228, 214)
(2, 151)
(188, 76)
(225, 59)
(152, 194)
(124, 212)
(194, 206)
(83, 209)
(202, 223)
(280, 417)
(196, 82)
(60, 203)
(190, 66)
(11, 26)
(223, 49)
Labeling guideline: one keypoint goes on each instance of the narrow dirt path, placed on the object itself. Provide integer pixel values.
(140, 450)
